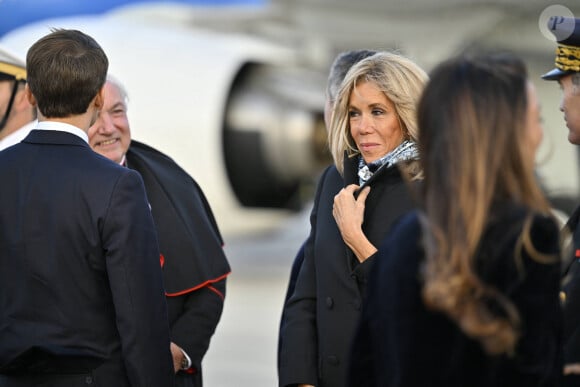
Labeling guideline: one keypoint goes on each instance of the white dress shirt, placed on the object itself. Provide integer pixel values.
(17, 136)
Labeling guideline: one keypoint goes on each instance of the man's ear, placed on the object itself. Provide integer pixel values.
(100, 98)
(21, 100)
(29, 95)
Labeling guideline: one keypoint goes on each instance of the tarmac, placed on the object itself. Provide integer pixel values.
(243, 350)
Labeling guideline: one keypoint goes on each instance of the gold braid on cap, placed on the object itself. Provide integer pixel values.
(17, 72)
(568, 58)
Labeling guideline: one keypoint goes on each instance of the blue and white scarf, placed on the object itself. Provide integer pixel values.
(407, 150)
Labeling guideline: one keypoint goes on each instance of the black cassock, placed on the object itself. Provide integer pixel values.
(194, 264)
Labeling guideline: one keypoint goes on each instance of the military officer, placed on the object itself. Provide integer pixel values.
(17, 116)
(567, 74)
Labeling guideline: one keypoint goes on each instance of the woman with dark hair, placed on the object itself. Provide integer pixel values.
(464, 291)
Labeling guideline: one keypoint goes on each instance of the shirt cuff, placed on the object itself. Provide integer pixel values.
(188, 361)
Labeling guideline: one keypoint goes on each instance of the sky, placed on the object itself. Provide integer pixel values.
(16, 13)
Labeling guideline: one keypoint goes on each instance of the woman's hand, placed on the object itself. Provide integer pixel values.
(348, 213)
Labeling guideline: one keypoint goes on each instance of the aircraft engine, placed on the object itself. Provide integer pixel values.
(270, 139)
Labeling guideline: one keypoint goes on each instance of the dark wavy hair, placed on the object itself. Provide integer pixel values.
(472, 140)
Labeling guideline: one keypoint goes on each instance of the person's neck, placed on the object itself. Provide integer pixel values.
(15, 123)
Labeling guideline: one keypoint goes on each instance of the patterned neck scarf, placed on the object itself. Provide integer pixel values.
(407, 150)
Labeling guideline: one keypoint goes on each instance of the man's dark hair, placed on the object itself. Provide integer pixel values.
(342, 63)
(66, 69)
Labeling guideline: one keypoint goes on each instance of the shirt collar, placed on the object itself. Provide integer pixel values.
(61, 126)
(17, 136)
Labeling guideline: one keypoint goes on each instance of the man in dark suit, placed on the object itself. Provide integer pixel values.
(82, 295)
(567, 73)
(195, 267)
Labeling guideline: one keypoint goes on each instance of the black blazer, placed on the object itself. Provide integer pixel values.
(194, 263)
(82, 291)
(320, 317)
(399, 342)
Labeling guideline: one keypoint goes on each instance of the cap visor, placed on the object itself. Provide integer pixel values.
(555, 74)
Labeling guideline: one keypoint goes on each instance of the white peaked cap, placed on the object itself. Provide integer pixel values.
(11, 65)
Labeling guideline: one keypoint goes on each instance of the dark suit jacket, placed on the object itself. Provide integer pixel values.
(400, 342)
(79, 266)
(320, 316)
(194, 263)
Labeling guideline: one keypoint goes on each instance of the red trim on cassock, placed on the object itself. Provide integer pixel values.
(162, 260)
(577, 253)
(206, 283)
(220, 294)
(190, 371)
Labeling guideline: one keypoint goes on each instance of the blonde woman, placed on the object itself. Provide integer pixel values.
(372, 133)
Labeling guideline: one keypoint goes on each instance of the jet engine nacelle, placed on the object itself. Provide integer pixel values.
(230, 110)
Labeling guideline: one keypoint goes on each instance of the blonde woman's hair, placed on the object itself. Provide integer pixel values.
(398, 77)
